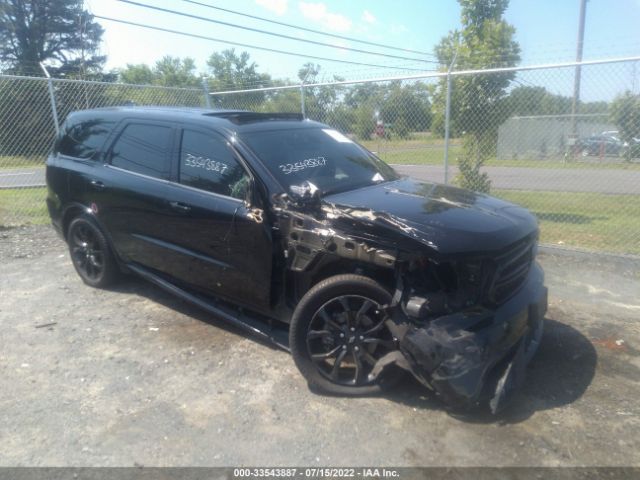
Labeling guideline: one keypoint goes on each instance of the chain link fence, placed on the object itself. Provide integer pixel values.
(31, 107)
(514, 133)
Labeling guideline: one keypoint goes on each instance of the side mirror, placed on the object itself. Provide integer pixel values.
(305, 194)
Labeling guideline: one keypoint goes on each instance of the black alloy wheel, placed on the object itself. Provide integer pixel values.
(338, 334)
(90, 253)
(346, 338)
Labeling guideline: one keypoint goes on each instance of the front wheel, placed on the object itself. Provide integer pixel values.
(338, 333)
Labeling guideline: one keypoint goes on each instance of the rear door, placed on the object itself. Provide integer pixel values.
(221, 245)
(131, 193)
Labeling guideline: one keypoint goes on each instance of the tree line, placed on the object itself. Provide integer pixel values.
(65, 36)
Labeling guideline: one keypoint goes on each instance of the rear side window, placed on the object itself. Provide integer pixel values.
(85, 139)
(207, 163)
(143, 149)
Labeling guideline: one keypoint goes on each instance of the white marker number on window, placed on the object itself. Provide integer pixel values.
(288, 168)
(205, 163)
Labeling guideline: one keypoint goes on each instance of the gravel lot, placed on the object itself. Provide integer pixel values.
(132, 376)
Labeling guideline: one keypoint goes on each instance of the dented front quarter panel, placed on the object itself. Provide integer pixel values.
(470, 354)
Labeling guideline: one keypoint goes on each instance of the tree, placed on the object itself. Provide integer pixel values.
(139, 74)
(167, 72)
(176, 72)
(364, 93)
(319, 101)
(533, 100)
(407, 108)
(529, 100)
(59, 32)
(364, 122)
(230, 71)
(625, 114)
(485, 41)
(364, 101)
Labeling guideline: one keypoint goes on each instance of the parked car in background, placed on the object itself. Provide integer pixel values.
(601, 145)
(287, 228)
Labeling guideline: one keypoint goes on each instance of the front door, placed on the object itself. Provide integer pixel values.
(220, 245)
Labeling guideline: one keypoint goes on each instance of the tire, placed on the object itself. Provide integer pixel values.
(341, 315)
(90, 253)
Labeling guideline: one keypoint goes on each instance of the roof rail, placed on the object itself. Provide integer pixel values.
(240, 117)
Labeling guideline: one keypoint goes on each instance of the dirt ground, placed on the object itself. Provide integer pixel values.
(132, 376)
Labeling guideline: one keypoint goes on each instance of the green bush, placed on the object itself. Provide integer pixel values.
(364, 125)
(401, 129)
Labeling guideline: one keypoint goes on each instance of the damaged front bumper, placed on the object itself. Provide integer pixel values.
(478, 355)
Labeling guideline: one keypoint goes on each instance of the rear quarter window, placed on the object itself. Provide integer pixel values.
(85, 139)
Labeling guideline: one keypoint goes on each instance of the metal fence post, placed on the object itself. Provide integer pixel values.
(52, 97)
(302, 106)
(205, 90)
(447, 120)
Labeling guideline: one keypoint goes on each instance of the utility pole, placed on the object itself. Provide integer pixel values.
(576, 82)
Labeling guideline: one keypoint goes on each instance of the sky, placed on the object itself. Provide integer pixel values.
(545, 29)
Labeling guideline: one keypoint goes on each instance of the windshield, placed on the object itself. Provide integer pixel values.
(322, 156)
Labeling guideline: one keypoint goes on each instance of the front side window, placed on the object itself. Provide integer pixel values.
(208, 164)
(143, 149)
(85, 139)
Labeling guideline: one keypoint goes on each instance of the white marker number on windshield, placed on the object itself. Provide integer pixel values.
(288, 168)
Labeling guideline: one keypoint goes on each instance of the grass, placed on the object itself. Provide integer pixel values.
(418, 139)
(591, 221)
(423, 149)
(22, 206)
(17, 161)
(429, 155)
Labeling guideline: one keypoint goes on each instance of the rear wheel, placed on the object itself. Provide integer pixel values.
(338, 333)
(90, 253)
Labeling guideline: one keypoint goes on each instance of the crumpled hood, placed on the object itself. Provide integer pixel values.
(450, 220)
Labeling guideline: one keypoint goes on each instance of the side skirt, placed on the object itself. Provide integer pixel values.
(252, 324)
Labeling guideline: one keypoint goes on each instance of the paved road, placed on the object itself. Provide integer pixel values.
(132, 375)
(22, 177)
(550, 179)
(510, 178)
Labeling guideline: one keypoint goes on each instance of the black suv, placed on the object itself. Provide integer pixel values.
(287, 228)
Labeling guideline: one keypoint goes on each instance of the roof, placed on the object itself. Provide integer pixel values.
(234, 120)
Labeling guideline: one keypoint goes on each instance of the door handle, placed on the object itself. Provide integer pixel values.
(180, 206)
(97, 184)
